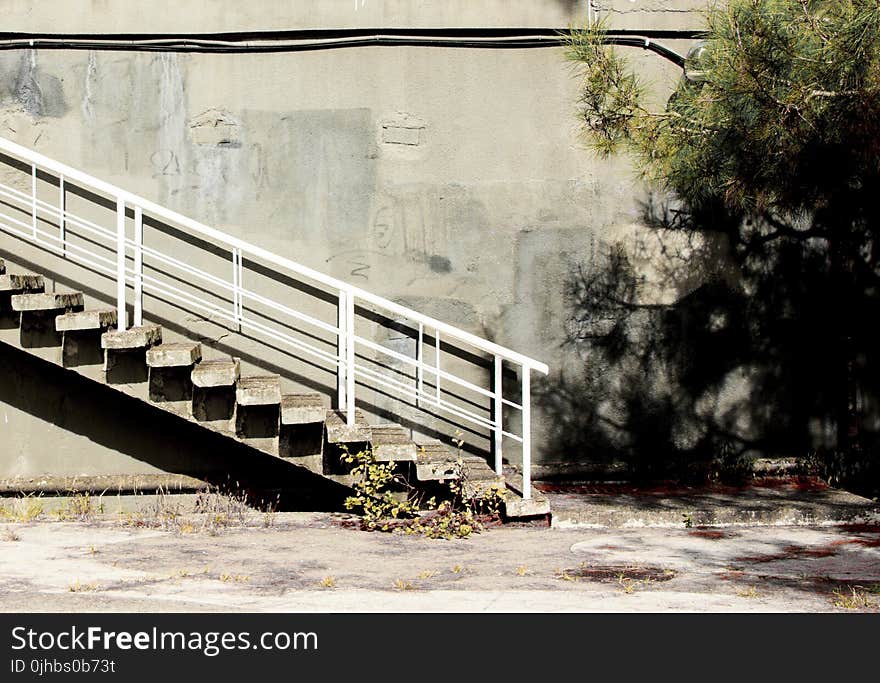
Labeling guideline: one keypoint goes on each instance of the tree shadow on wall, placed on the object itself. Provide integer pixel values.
(692, 349)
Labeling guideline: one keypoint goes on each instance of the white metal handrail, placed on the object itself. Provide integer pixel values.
(348, 297)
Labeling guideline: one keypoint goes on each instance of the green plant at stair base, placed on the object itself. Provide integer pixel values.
(383, 509)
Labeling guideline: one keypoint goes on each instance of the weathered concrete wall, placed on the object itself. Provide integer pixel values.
(450, 180)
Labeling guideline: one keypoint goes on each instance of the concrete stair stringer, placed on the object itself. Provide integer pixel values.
(251, 398)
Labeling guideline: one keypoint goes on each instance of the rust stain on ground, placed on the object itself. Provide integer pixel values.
(711, 534)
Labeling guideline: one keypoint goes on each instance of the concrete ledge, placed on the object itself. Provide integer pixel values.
(46, 302)
(18, 283)
(100, 483)
(85, 320)
(216, 373)
(134, 338)
(778, 505)
(263, 390)
(299, 409)
(174, 355)
(515, 506)
(339, 432)
(393, 443)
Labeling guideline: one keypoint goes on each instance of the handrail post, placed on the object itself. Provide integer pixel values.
(349, 358)
(138, 266)
(235, 289)
(498, 405)
(34, 200)
(62, 208)
(120, 264)
(526, 433)
(341, 354)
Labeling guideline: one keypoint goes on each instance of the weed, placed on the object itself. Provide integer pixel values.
(401, 585)
(328, 582)
(93, 550)
(426, 574)
(78, 507)
(457, 569)
(23, 509)
(750, 592)
(235, 578)
(857, 599)
(77, 587)
(687, 519)
(10, 535)
(565, 576)
(384, 509)
(522, 570)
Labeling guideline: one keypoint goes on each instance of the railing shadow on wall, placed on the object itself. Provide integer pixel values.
(364, 351)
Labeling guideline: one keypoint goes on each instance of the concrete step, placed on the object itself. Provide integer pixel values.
(435, 462)
(298, 409)
(12, 282)
(393, 443)
(81, 321)
(262, 390)
(338, 431)
(515, 506)
(132, 339)
(478, 477)
(35, 302)
(210, 374)
(177, 355)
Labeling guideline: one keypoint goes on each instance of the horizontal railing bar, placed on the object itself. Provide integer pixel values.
(428, 398)
(426, 368)
(52, 209)
(296, 343)
(29, 236)
(185, 267)
(285, 309)
(75, 175)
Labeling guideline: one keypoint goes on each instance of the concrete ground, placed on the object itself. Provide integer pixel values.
(224, 561)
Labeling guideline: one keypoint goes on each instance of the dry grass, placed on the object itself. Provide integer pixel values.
(23, 509)
(856, 598)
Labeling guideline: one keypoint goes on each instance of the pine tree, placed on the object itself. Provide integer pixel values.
(771, 141)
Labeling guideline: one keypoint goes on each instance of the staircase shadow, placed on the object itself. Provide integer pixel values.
(152, 436)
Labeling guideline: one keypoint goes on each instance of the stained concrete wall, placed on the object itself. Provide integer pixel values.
(453, 181)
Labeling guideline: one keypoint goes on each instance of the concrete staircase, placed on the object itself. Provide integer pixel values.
(299, 428)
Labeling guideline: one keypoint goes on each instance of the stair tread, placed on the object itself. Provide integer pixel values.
(435, 462)
(391, 442)
(221, 372)
(338, 430)
(46, 301)
(258, 390)
(133, 338)
(93, 319)
(302, 409)
(18, 282)
(174, 355)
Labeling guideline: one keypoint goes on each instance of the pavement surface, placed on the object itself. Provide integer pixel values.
(308, 562)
